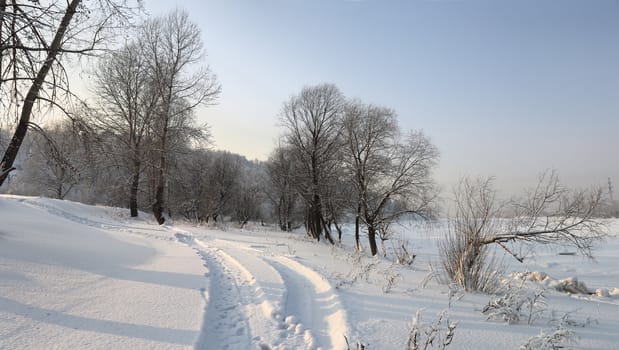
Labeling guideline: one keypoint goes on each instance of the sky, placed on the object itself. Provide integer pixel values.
(503, 88)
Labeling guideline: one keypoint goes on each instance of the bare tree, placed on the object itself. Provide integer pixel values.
(247, 202)
(128, 103)
(464, 258)
(548, 214)
(35, 37)
(53, 162)
(64, 158)
(188, 194)
(223, 175)
(391, 174)
(314, 134)
(336, 195)
(369, 133)
(175, 51)
(280, 188)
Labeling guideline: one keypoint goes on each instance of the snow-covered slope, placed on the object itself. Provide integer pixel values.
(81, 277)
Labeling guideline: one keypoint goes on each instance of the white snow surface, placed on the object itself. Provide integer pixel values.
(74, 276)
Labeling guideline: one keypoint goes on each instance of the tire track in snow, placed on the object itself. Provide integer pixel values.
(282, 303)
(256, 301)
(225, 324)
(312, 300)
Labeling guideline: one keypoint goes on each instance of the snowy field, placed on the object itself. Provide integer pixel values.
(74, 276)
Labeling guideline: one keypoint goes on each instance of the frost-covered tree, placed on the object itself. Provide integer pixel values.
(189, 185)
(390, 172)
(249, 198)
(55, 162)
(279, 187)
(313, 122)
(128, 102)
(223, 176)
(175, 53)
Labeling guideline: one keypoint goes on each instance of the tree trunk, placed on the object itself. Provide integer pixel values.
(383, 248)
(59, 190)
(372, 239)
(24, 120)
(159, 200)
(158, 205)
(327, 230)
(339, 232)
(357, 223)
(281, 215)
(133, 191)
(314, 219)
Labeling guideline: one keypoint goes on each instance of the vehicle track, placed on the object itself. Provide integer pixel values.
(312, 301)
(238, 296)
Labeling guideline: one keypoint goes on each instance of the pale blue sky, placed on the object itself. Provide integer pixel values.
(503, 88)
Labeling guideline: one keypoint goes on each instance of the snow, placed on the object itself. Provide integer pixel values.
(88, 277)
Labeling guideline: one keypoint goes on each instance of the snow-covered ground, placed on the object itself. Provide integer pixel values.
(74, 276)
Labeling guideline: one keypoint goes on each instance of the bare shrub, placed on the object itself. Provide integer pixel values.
(548, 214)
(557, 338)
(391, 278)
(516, 305)
(465, 259)
(567, 319)
(360, 269)
(402, 253)
(436, 335)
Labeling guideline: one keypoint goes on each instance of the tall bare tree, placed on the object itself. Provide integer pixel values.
(313, 120)
(391, 173)
(128, 101)
(175, 51)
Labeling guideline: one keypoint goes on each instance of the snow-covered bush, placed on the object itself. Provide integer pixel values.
(391, 278)
(567, 285)
(516, 305)
(360, 270)
(553, 339)
(567, 320)
(402, 253)
(436, 335)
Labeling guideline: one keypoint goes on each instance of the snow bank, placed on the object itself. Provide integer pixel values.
(71, 277)
(569, 285)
